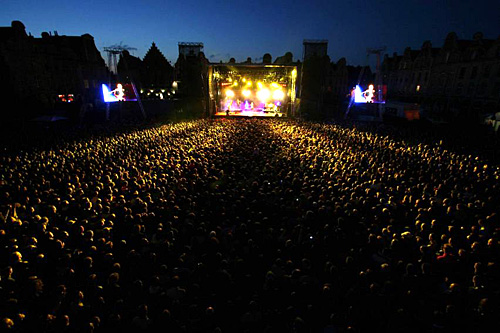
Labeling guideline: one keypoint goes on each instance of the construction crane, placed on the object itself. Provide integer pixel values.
(113, 51)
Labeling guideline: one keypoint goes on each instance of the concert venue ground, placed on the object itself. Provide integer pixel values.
(250, 225)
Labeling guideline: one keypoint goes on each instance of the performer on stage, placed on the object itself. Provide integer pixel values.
(118, 92)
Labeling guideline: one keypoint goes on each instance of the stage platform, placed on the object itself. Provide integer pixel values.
(249, 113)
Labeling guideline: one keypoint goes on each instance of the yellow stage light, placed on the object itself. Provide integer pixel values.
(229, 93)
(259, 84)
(244, 80)
(246, 93)
(263, 94)
(235, 83)
(275, 85)
(249, 83)
(278, 95)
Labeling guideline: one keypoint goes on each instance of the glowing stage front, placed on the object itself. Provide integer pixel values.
(242, 90)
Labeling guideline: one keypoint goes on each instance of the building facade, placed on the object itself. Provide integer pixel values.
(460, 80)
(36, 72)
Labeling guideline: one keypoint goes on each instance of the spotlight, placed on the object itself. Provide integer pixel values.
(263, 94)
(278, 95)
(246, 93)
(229, 93)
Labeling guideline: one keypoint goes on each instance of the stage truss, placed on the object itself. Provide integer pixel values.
(243, 90)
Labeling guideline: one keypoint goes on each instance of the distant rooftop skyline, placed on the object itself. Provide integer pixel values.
(242, 29)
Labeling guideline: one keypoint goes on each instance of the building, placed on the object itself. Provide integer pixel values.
(39, 73)
(460, 80)
(129, 69)
(157, 71)
(342, 78)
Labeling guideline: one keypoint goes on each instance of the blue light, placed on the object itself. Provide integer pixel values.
(108, 95)
(358, 95)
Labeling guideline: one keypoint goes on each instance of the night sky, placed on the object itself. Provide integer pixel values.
(242, 29)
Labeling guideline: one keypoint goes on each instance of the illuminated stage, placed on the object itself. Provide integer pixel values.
(249, 113)
(243, 90)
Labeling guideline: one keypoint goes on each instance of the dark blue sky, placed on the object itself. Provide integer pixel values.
(242, 29)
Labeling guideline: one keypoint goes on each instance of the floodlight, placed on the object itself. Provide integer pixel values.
(263, 94)
(278, 95)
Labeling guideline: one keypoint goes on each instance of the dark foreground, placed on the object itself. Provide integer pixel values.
(248, 226)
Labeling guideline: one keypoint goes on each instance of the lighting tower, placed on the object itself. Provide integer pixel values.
(113, 51)
(378, 75)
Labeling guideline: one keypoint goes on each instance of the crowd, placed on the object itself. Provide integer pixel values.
(248, 226)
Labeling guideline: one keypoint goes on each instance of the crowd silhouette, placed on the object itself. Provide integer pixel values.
(248, 226)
